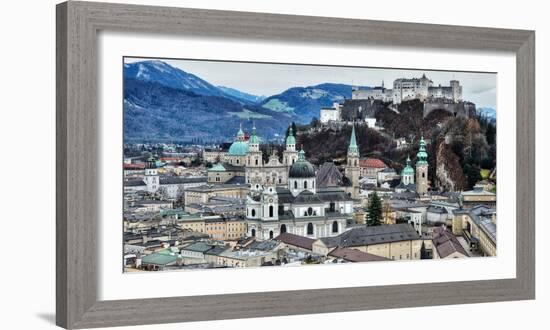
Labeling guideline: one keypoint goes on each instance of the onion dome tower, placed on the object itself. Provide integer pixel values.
(422, 168)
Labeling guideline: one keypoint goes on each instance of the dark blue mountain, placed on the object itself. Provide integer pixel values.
(167, 75)
(164, 103)
(305, 102)
(241, 96)
(157, 113)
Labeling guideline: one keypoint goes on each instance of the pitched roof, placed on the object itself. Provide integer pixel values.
(328, 176)
(446, 243)
(371, 162)
(296, 240)
(134, 183)
(361, 236)
(353, 255)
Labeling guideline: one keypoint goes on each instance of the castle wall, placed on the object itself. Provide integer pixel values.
(460, 109)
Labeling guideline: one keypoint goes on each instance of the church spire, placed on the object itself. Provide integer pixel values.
(353, 150)
(422, 155)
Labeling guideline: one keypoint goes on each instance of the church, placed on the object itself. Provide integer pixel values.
(408, 174)
(300, 207)
(243, 162)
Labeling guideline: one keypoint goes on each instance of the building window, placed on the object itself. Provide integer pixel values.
(295, 184)
(271, 234)
(256, 161)
(253, 232)
(335, 227)
(283, 229)
(309, 211)
(305, 184)
(253, 212)
(310, 228)
(271, 211)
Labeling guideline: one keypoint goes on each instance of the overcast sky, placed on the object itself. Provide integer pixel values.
(270, 79)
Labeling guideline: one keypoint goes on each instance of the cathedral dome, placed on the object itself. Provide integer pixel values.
(301, 168)
(238, 148)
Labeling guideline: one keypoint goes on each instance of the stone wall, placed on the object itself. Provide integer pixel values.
(459, 109)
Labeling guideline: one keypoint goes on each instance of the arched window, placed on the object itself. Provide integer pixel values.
(256, 161)
(270, 234)
(253, 212)
(237, 161)
(283, 229)
(423, 174)
(310, 228)
(309, 211)
(295, 184)
(305, 184)
(253, 232)
(335, 227)
(271, 211)
(280, 180)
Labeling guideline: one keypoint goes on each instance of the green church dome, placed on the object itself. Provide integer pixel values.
(301, 168)
(408, 170)
(238, 148)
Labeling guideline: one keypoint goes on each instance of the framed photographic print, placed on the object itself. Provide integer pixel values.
(217, 165)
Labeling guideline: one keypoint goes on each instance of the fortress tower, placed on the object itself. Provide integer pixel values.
(422, 169)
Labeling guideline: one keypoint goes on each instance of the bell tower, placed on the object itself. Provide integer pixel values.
(254, 161)
(422, 169)
(352, 167)
(290, 155)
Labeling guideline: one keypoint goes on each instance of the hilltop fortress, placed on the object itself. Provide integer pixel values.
(368, 100)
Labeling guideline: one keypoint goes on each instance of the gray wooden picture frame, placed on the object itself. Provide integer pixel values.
(78, 24)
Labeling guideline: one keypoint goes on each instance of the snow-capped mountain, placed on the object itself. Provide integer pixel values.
(167, 75)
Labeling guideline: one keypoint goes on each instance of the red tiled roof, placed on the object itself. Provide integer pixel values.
(355, 255)
(372, 162)
(134, 166)
(296, 240)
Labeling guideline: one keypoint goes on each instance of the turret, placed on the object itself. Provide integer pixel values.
(290, 140)
(290, 155)
(254, 141)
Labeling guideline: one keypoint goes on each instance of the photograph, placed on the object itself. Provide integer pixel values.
(244, 164)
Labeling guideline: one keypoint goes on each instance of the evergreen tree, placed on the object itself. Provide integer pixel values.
(374, 216)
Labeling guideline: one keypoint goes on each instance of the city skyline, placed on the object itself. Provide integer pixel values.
(479, 88)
